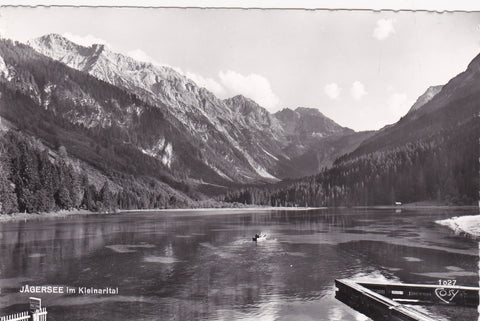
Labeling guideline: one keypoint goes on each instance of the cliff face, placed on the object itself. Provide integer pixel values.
(213, 126)
(237, 138)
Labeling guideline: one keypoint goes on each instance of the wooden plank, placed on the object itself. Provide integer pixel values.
(427, 293)
(430, 286)
(375, 305)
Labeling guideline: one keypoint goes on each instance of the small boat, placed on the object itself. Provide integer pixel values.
(259, 237)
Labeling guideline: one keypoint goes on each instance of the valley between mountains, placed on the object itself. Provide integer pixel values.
(85, 127)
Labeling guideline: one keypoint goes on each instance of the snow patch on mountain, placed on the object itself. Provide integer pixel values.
(134, 109)
(5, 124)
(259, 169)
(162, 151)
(272, 156)
(263, 172)
(219, 172)
(47, 90)
(4, 69)
(148, 152)
(168, 155)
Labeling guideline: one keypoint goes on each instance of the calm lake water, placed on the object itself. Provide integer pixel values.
(198, 266)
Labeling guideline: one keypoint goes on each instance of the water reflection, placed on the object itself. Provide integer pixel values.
(197, 266)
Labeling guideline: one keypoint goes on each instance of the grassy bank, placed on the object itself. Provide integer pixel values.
(35, 216)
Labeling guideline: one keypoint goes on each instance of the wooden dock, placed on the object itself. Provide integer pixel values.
(384, 301)
(426, 293)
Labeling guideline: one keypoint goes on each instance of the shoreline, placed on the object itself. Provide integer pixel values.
(420, 205)
(5, 218)
(217, 209)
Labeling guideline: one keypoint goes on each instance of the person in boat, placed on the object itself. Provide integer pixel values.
(255, 237)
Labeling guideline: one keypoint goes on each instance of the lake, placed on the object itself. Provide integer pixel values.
(203, 265)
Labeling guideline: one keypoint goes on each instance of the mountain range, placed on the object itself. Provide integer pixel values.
(430, 154)
(126, 120)
(238, 139)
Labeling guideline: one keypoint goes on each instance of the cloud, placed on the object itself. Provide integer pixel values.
(211, 84)
(358, 90)
(140, 55)
(332, 90)
(384, 29)
(85, 41)
(253, 86)
(397, 106)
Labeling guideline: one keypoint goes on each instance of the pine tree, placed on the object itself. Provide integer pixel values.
(8, 198)
(107, 198)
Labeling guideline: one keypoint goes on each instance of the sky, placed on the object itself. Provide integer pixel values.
(363, 69)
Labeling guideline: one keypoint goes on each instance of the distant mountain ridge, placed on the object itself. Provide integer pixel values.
(148, 128)
(194, 109)
(257, 143)
(430, 154)
(309, 122)
(306, 126)
(446, 107)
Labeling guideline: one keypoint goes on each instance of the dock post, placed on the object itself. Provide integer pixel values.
(36, 312)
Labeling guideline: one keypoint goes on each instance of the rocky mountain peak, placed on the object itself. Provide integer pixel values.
(308, 111)
(237, 138)
(244, 105)
(115, 68)
(431, 92)
(53, 39)
(253, 115)
(286, 114)
(309, 121)
(62, 49)
(241, 99)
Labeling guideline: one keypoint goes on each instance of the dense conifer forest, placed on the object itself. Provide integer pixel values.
(444, 168)
(35, 179)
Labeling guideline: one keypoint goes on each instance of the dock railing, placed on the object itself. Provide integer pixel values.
(40, 315)
(16, 317)
(35, 313)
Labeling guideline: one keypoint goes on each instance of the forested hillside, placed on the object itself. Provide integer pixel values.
(444, 169)
(75, 141)
(239, 140)
(430, 154)
(34, 178)
(94, 122)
